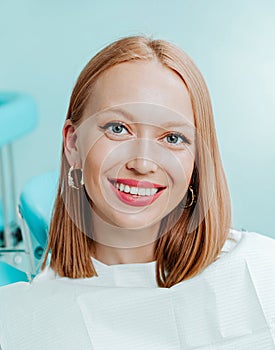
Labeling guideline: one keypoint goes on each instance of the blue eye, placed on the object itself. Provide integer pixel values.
(114, 127)
(177, 138)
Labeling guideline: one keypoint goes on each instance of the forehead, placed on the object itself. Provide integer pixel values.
(148, 88)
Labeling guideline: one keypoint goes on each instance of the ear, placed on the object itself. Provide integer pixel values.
(69, 142)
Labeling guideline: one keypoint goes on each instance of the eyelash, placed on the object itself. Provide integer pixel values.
(178, 134)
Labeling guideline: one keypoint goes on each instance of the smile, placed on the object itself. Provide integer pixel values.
(136, 193)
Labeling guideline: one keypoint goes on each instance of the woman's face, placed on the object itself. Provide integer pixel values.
(136, 143)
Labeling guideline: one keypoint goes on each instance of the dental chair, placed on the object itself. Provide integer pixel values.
(35, 207)
(18, 117)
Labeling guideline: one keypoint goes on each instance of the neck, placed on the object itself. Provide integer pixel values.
(115, 245)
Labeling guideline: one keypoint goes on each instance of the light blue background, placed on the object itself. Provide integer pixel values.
(45, 44)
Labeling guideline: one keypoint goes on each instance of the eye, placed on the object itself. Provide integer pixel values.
(177, 138)
(115, 128)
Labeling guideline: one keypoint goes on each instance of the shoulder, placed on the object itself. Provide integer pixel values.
(13, 289)
(23, 297)
(47, 274)
(20, 289)
(259, 236)
(254, 250)
(259, 242)
(258, 252)
(251, 239)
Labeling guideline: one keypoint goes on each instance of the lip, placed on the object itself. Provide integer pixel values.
(136, 200)
(136, 183)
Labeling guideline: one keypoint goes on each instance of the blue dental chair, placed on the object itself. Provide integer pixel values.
(35, 206)
(18, 117)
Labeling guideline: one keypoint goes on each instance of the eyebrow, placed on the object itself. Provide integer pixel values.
(130, 117)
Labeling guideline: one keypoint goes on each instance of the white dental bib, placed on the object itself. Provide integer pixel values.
(229, 305)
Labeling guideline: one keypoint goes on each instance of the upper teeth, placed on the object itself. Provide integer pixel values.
(136, 190)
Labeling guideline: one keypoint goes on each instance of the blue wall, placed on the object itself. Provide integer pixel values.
(44, 46)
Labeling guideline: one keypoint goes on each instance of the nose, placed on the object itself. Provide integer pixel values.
(142, 165)
(141, 162)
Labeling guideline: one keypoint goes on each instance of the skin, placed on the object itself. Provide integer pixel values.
(140, 149)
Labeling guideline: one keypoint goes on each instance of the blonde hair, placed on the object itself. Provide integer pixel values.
(179, 253)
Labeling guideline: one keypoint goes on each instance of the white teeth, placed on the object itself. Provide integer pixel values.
(136, 190)
(141, 191)
(154, 191)
(127, 189)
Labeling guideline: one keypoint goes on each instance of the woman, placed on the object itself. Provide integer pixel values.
(143, 215)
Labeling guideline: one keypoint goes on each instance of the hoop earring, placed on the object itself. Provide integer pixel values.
(193, 201)
(71, 180)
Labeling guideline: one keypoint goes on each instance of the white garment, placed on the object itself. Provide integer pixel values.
(229, 305)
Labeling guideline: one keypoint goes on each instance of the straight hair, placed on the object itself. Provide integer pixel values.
(197, 237)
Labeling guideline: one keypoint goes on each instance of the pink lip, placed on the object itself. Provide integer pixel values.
(135, 183)
(136, 200)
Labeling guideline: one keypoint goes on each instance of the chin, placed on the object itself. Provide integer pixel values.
(134, 221)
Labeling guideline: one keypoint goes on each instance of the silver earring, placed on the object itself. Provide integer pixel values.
(192, 201)
(71, 180)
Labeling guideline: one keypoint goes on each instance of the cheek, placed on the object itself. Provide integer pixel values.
(91, 173)
(180, 169)
(97, 162)
(181, 164)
